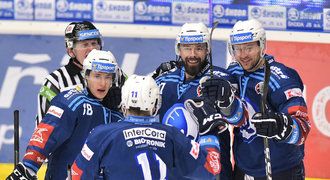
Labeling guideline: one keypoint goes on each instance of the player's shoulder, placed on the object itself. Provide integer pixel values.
(73, 97)
(117, 128)
(102, 132)
(282, 78)
(235, 68)
(171, 76)
(282, 73)
(116, 116)
(221, 72)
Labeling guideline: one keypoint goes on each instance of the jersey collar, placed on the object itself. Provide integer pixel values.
(141, 119)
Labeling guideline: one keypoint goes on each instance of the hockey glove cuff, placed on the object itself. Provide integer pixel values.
(217, 90)
(204, 113)
(273, 125)
(164, 67)
(21, 172)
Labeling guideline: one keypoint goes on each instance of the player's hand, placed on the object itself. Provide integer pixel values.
(217, 90)
(164, 67)
(273, 125)
(21, 172)
(204, 113)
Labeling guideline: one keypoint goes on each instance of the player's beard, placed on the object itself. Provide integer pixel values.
(193, 70)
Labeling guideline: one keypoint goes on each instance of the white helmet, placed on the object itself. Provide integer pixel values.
(101, 61)
(247, 31)
(141, 92)
(193, 33)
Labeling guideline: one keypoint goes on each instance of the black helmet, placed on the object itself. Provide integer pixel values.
(78, 31)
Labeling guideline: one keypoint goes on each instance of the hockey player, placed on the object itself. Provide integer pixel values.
(285, 123)
(71, 116)
(140, 147)
(80, 39)
(192, 47)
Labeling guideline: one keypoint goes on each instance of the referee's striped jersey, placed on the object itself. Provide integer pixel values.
(64, 78)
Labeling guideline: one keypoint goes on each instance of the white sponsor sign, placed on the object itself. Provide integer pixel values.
(44, 9)
(24, 9)
(273, 17)
(184, 12)
(113, 11)
(326, 19)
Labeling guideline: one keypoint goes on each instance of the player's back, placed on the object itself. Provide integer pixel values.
(140, 150)
(129, 150)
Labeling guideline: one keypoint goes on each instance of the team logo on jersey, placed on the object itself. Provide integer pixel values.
(40, 135)
(294, 92)
(258, 88)
(55, 111)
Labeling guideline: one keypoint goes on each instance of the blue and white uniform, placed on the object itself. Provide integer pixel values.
(62, 132)
(142, 148)
(285, 94)
(175, 89)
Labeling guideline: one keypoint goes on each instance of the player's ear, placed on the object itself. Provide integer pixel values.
(70, 52)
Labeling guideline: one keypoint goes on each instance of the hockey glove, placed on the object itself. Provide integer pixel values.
(113, 98)
(273, 125)
(204, 113)
(21, 172)
(218, 90)
(164, 67)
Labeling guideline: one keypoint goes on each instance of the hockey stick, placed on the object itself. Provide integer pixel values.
(69, 174)
(263, 107)
(214, 25)
(16, 137)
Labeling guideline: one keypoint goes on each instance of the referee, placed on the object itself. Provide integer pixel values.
(80, 39)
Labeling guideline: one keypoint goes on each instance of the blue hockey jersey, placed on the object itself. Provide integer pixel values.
(141, 148)
(63, 131)
(175, 89)
(285, 94)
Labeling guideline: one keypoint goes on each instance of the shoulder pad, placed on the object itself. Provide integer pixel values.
(68, 94)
